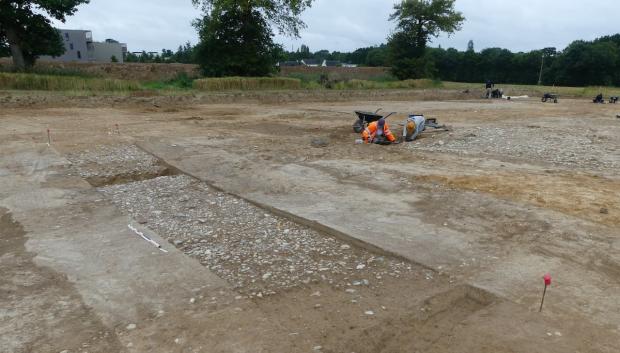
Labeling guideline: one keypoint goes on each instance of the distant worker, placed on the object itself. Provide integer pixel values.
(599, 99)
(378, 132)
(489, 87)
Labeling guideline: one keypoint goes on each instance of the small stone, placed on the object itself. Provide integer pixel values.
(345, 247)
(192, 301)
(316, 294)
(604, 210)
(259, 295)
(350, 290)
(317, 348)
(317, 306)
(369, 312)
(361, 266)
(131, 327)
(319, 142)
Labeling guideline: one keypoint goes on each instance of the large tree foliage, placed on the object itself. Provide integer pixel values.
(236, 35)
(235, 43)
(28, 32)
(283, 14)
(417, 22)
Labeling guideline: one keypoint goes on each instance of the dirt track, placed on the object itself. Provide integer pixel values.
(515, 190)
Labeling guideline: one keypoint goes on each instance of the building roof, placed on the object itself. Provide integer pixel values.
(311, 61)
(332, 63)
(289, 63)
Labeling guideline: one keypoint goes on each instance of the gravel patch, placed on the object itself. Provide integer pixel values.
(257, 252)
(105, 165)
(535, 143)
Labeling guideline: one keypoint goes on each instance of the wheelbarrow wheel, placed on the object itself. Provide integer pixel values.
(555, 100)
(358, 127)
(544, 100)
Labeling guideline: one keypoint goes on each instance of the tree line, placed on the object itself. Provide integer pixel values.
(183, 55)
(236, 39)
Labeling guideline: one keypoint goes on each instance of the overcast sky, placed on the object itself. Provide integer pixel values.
(345, 25)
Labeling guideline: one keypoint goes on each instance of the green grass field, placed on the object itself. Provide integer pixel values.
(532, 90)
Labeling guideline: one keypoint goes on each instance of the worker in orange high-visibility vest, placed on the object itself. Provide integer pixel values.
(378, 132)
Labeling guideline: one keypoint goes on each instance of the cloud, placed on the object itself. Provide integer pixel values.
(345, 25)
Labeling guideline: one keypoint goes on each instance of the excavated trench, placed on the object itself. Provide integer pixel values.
(263, 255)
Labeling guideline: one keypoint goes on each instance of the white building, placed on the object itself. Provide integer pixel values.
(80, 47)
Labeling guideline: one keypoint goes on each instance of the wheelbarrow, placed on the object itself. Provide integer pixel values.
(365, 118)
(550, 97)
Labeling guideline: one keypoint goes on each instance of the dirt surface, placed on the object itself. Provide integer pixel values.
(302, 235)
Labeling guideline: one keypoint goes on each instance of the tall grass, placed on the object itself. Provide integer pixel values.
(20, 81)
(180, 82)
(247, 83)
(406, 84)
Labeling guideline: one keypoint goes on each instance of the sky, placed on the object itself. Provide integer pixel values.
(345, 25)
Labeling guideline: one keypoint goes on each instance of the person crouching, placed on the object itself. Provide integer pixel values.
(378, 132)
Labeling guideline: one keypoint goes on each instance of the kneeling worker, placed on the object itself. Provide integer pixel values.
(414, 126)
(378, 132)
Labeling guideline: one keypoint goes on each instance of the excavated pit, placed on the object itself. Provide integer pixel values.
(115, 165)
(424, 330)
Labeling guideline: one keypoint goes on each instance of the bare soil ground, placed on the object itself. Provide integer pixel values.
(434, 246)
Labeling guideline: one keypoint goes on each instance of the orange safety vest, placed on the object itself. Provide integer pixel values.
(370, 132)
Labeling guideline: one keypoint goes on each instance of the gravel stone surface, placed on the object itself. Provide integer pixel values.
(534, 143)
(257, 252)
(115, 164)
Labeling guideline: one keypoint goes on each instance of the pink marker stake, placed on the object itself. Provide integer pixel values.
(547, 279)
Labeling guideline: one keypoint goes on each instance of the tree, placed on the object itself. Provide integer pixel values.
(377, 57)
(283, 14)
(28, 33)
(236, 35)
(235, 43)
(304, 50)
(587, 63)
(417, 22)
